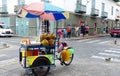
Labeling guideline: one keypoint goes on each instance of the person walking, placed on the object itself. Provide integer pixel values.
(64, 33)
(76, 31)
(60, 33)
(107, 29)
(68, 31)
(83, 30)
(95, 28)
(87, 29)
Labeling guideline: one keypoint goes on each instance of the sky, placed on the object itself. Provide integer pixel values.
(12, 3)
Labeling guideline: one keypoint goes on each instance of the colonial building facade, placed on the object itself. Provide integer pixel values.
(102, 12)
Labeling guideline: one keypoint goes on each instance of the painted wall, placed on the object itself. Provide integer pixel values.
(70, 5)
(74, 19)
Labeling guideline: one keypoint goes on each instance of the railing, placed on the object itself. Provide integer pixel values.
(94, 12)
(104, 15)
(116, 0)
(80, 8)
(3, 10)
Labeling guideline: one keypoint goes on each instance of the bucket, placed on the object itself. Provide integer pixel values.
(35, 52)
(71, 50)
(28, 53)
(65, 55)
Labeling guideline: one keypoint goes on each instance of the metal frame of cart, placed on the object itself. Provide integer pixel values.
(40, 58)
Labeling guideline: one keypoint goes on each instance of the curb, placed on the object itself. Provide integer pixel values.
(80, 38)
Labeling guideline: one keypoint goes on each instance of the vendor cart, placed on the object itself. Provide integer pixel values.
(40, 58)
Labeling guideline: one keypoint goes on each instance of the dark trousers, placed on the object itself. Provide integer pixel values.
(68, 34)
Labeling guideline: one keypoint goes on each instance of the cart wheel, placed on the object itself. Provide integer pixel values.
(67, 62)
(41, 66)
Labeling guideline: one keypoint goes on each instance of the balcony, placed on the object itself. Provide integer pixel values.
(117, 18)
(116, 0)
(104, 15)
(3, 10)
(48, 1)
(80, 8)
(94, 12)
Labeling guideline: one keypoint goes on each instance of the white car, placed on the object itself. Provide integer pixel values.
(5, 31)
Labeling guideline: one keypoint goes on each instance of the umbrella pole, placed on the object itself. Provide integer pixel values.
(56, 28)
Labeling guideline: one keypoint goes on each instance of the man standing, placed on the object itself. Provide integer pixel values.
(83, 30)
(87, 29)
(76, 31)
(68, 31)
(95, 28)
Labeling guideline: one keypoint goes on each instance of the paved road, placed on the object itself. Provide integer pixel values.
(89, 59)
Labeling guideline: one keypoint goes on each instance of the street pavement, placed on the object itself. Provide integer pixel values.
(85, 66)
(116, 42)
(4, 45)
(89, 36)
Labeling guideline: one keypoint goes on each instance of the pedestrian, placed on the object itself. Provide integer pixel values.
(87, 29)
(83, 32)
(64, 33)
(95, 28)
(68, 31)
(107, 29)
(76, 31)
(104, 30)
(60, 33)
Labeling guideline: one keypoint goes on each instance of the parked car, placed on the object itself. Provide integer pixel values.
(5, 31)
(115, 32)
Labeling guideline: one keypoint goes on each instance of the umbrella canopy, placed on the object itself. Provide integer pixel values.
(24, 14)
(55, 16)
(49, 16)
(44, 11)
(39, 8)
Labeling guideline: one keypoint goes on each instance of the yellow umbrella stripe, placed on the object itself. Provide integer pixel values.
(23, 14)
(66, 14)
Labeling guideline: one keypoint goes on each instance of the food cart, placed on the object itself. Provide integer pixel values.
(39, 56)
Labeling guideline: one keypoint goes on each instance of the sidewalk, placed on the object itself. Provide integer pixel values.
(92, 36)
(3, 45)
(86, 37)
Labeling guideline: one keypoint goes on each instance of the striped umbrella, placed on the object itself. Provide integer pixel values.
(24, 14)
(49, 16)
(39, 8)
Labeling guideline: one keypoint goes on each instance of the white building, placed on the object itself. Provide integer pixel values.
(103, 12)
(108, 6)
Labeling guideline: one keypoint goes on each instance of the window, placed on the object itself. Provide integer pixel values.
(93, 3)
(79, 1)
(103, 6)
(112, 10)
